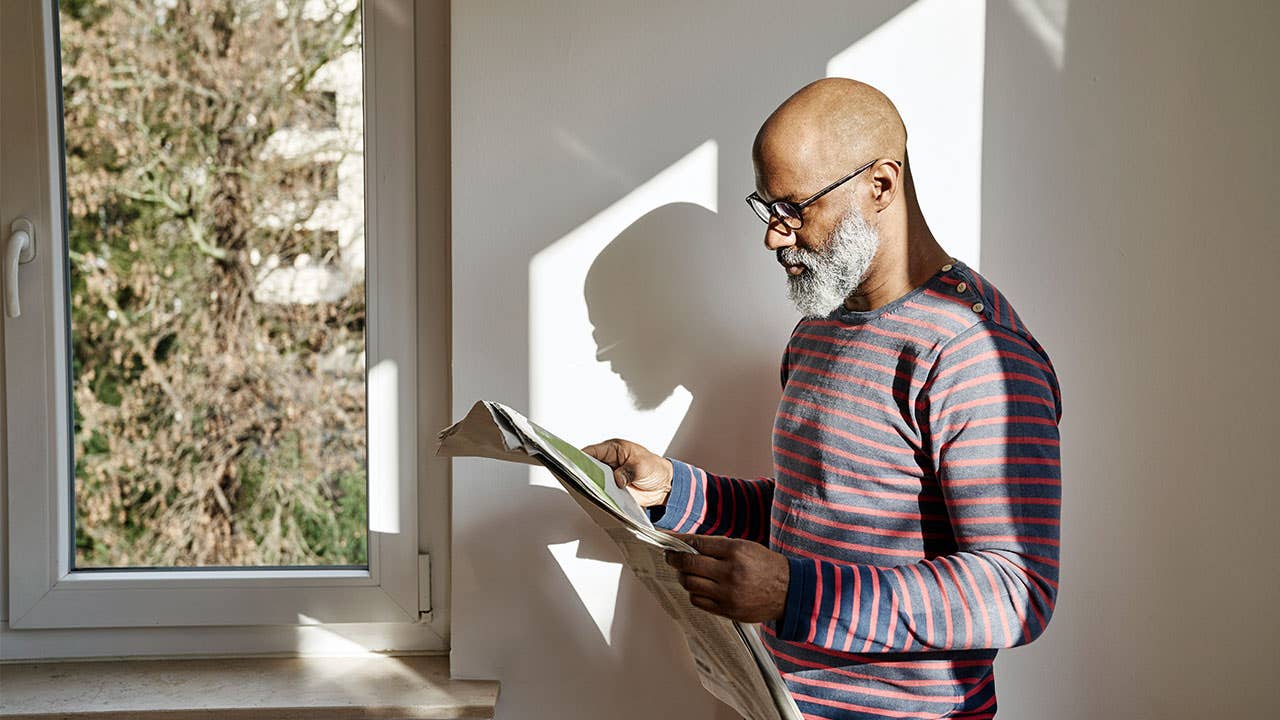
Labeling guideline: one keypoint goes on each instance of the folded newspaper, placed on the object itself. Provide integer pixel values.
(732, 663)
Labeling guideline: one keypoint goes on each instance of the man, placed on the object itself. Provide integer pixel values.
(911, 526)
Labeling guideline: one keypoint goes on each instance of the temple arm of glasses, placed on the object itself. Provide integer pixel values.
(811, 200)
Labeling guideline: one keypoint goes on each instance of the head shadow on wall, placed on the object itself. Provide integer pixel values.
(677, 299)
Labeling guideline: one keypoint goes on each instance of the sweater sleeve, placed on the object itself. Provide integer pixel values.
(701, 502)
(991, 409)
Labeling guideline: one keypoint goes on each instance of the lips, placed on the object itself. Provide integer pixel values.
(793, 268)
(789, 260)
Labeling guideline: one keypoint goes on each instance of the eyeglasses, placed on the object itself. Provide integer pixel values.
(787, 212)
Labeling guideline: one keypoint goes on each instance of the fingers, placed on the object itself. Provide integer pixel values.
(632, 464)
(697, 585)
(701, 565)
(715, 546)
(610, 452)
(705, 603)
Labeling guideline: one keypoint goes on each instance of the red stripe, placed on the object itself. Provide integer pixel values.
(928, 605)
(878, 712)
(938, 398)
(817, 599)
(853, 437)
(1044, 598)
(877, 692)
(1034, 399)
(835, 605)
(906, 601)
(917, 341)
(953, 299)
(964, 602)
(982, 602)
(893, 619)
(946, 602)
(878, 407)
(873, 512)
(719, 516)
(762, 508)
(947, 333)
(896, 355)
(843, 453)
(856, 612)
(942, 666)
(784, 531)
(874, 618)
(904, 496)
(842, 377)
(1006, 461)
(1038, 558)
(989, 355)
(1015, 440)
(688, 508)
(995, 593)
(1002, 499)
(858, 419)
(909, 534)
(966, 321)
(883, 712)
(1006, 520)
(903, 682)
(1010, 420)
(1026, 570)
(849, 360)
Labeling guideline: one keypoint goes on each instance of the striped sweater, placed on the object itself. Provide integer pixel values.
(916, 495)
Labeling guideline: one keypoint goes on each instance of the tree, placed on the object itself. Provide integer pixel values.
(211, 428)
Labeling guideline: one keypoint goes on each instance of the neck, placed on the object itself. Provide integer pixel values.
(908, 256)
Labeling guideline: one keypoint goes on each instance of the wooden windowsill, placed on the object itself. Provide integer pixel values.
(416, 687)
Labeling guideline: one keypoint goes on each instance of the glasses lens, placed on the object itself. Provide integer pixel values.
(760, 208)
(788, 214)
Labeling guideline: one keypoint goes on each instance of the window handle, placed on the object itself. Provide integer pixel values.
(19, 250)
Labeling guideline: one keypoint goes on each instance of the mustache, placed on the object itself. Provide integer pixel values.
(796, 256)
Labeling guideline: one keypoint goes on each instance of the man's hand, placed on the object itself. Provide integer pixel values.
(646, 475)
(738, 579)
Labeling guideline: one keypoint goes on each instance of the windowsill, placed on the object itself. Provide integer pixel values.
(416, 687)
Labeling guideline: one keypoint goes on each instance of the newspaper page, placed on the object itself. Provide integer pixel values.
(732, 662)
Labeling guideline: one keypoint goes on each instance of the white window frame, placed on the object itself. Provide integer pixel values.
(44, 592)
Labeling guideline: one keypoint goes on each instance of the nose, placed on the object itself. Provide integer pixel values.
(779, 236)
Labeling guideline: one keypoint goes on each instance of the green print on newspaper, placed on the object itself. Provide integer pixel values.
(579, 458)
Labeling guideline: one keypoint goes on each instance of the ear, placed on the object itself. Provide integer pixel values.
(886, 183)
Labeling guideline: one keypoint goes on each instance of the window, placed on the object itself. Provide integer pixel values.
(211, 362)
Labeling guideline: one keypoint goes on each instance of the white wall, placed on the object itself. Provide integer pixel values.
(1128, 208)
(1127, 156)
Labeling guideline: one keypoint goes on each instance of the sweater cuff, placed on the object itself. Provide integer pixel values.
(794, 623)
(668, 516)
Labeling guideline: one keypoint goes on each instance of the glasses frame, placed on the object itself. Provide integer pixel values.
(787, 210)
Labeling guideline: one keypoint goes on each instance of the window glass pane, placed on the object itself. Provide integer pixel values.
(215, 207)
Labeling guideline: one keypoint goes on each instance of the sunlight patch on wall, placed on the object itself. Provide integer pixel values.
(571, 392)
(574, 394)
(1047, 21)
(595, 581)
(929, 60)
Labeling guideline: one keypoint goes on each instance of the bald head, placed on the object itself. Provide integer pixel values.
(833, 124)
(865, 237)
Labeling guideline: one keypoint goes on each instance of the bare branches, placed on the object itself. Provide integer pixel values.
(210, 428)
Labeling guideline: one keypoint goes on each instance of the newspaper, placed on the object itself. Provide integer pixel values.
(731, 661)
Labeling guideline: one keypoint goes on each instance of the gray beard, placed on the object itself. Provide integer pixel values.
(835, 272)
